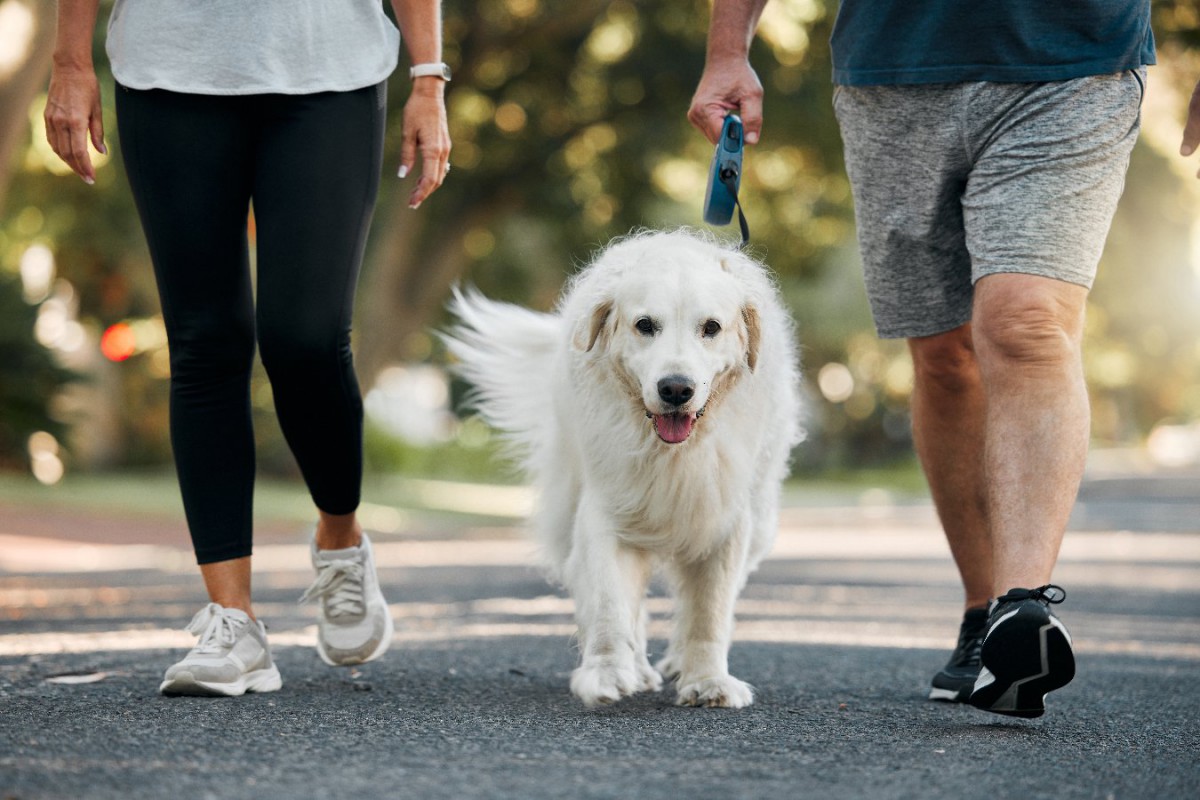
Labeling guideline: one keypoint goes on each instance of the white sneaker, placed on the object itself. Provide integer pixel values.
(355, 625)
(231, 658)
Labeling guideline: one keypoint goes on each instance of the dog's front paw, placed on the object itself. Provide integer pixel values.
(604, 683)
(651, 680)
(724, 691)
(669, 666)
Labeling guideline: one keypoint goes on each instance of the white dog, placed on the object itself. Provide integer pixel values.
(655, 412)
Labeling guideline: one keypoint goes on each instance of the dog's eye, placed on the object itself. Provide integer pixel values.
(645, 326)
(712, 328)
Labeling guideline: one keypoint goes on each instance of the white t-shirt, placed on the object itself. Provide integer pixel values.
(251, 46)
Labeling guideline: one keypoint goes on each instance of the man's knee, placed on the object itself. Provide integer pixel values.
(945, 362)
(1027, 320)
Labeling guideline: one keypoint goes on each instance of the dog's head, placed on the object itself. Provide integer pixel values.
(677, 319)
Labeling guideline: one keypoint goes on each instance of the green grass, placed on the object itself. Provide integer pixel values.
(150, 493)
(155, 493)
(905, 479)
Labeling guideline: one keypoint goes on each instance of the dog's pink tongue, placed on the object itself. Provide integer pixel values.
(673, 428)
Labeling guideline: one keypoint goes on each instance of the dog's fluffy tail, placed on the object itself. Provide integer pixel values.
(505, 352)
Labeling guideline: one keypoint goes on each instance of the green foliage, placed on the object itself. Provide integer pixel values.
(473, 457)
(569, 128)
(1176, 23)
(30, 378)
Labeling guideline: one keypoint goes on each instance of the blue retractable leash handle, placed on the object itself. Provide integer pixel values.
(725, 178)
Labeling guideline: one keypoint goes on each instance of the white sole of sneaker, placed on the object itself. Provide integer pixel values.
(948, 695)
(185, 684)
(385, 641)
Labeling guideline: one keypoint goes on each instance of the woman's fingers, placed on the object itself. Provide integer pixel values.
(73, 115)
(426, 134)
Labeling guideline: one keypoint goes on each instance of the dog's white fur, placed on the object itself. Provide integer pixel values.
(574, 391)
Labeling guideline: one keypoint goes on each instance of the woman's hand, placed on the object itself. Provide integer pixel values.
(425, 132)
(73, 112)
(73, 115)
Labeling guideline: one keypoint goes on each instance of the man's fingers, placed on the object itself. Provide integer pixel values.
(708, 119)
(1191, 131)
(752, 117)
(725, 88)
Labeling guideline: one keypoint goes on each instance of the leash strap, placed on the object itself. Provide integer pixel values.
(729, 177)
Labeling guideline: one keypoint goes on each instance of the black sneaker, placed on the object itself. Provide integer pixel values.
(956, 680)
(1026, 653)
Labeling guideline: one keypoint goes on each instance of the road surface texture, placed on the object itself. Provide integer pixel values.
(840, 631)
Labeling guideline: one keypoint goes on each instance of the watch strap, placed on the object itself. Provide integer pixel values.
(433, 70)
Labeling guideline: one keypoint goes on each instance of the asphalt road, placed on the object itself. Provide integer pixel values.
(839, 631)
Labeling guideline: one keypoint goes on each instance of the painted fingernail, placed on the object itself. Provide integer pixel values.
(103, 149)
(89, 181)
(1187, 149)
(414, 206)
(403, 171)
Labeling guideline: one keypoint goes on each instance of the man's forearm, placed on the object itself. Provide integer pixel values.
(732, 27)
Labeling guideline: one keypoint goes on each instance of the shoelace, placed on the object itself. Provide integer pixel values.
(1049, 594)
(340, 584)
(217, 630)
(970, 646)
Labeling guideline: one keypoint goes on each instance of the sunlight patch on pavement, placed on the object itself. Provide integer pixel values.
(28, 554)
(40, 554)
(793, 632)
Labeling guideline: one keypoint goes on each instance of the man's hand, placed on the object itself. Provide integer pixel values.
(728, 86)
(73, 115)
(1191, 129)
(729, 83)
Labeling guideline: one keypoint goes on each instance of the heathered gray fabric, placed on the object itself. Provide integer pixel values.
(953, 182)
(251, 46)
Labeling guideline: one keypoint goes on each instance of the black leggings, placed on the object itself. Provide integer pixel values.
(310, 164)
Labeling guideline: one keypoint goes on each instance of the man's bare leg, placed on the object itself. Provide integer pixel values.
(948, 416)
(1027, 332)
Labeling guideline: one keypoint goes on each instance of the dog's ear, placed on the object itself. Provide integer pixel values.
(753, 334)
(585, 338)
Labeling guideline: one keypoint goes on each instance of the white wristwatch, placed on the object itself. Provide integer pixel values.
(438, 70)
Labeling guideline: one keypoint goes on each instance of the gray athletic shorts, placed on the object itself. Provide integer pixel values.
(953, 182)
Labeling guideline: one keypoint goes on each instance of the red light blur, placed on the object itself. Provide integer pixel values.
(118, 342)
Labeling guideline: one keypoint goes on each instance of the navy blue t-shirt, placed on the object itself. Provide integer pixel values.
(953, 41)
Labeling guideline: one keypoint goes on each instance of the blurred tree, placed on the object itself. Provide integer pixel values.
(1143, 349)
(569, 128)
(30, 378)
(26, 40)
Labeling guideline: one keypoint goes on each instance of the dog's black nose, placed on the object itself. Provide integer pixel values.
(676, 390)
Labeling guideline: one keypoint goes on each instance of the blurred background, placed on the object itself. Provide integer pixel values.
(568, 122)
